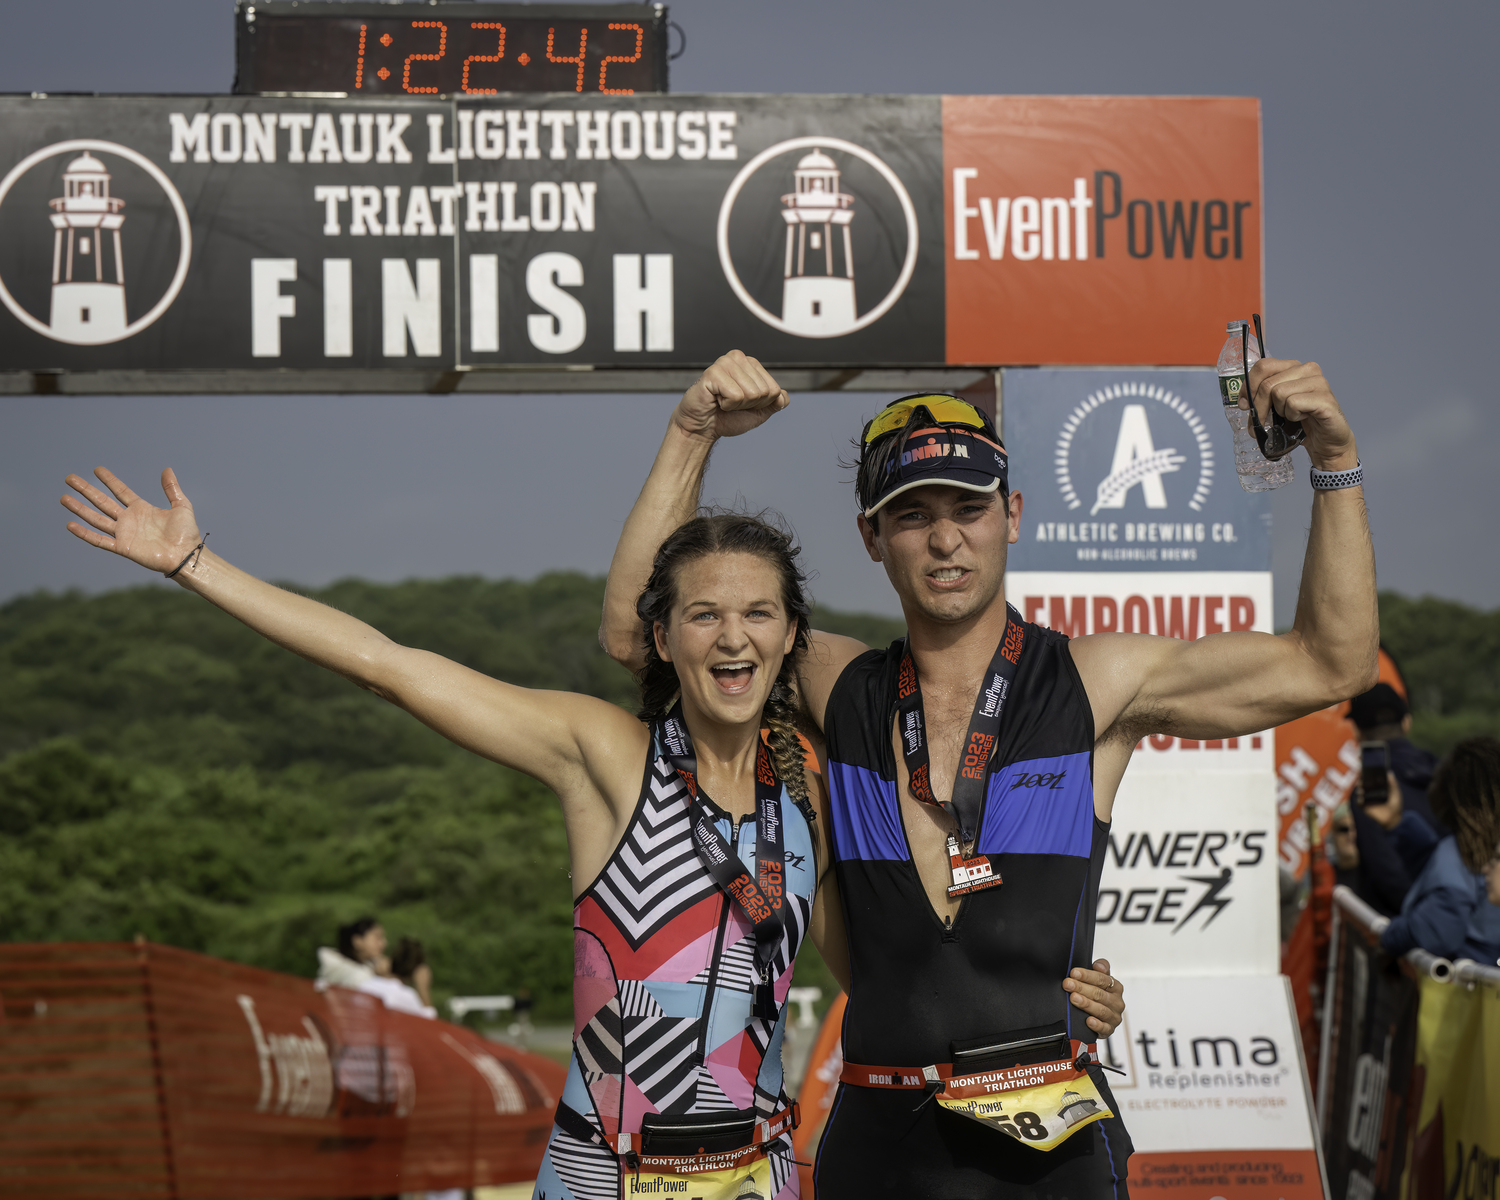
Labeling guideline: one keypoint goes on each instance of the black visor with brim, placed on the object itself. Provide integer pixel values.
(943, 456)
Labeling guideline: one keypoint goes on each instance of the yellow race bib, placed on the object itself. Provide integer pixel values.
(733, 1175)
(1040, 1105)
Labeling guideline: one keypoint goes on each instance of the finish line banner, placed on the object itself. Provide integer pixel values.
(315, 239)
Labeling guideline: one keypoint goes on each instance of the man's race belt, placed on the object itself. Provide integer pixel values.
(1038, 1104)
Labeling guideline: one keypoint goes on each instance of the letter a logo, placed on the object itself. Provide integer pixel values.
(1137, 461)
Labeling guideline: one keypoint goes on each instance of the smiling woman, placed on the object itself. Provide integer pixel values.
(688, 915)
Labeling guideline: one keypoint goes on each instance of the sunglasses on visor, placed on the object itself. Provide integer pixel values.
(945, 410)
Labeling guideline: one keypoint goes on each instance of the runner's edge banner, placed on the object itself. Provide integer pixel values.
(325, 239)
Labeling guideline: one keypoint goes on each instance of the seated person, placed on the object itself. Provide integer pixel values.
(360, 964)
(1447, 912)
(361, 946)
(409, 965)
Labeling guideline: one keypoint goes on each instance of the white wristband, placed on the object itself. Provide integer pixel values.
(1333, 481)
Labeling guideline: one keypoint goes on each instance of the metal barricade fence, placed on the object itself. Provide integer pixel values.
(1409, 1046)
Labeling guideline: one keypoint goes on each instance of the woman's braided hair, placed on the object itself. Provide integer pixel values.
(730, 533)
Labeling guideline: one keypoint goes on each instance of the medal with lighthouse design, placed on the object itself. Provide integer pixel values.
(969, 874)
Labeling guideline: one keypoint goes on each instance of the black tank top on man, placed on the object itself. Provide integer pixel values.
(920, 986)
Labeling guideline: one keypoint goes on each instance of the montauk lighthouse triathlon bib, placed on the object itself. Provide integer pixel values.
(732, 1175)
(1038, 1104)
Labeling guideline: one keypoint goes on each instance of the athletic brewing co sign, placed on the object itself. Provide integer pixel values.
(159, 234)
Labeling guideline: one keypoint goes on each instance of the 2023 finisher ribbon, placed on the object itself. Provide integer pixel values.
(966, 805)
(762, 897)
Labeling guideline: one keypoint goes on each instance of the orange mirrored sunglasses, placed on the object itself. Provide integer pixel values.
(945, 410)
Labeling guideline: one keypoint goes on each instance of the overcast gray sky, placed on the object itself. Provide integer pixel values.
(1380, 186)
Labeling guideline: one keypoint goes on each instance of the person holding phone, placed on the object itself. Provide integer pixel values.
(1394, 777)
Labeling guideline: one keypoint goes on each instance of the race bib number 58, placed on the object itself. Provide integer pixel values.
(1041, 1116)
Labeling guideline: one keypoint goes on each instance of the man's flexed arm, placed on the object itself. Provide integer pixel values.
(1237, 683)
(733, 396)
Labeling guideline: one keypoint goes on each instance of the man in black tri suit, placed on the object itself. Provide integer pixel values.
(972, 768)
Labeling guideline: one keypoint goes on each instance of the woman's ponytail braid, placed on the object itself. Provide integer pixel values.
(786, 746)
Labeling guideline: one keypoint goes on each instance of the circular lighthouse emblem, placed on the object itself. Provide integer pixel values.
(817, 237)
(101, 288)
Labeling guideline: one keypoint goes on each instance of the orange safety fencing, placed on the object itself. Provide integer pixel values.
(142, 1071)
(1317, 766)
(819, 1087)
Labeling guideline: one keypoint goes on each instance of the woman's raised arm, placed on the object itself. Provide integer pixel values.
(543, 734)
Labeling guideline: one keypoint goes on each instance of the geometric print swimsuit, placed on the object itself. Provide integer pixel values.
(664, 987)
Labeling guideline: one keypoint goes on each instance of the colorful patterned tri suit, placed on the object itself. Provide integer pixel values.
(663, 979)
(919, 986)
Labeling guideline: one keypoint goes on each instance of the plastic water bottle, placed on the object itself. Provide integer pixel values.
(1257, 473)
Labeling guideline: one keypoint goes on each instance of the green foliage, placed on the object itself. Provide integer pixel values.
(868, 628)
(164, 770)
(1449, 655)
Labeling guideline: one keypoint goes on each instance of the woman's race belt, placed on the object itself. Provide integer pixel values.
(1039, 1104)
(718, 1152)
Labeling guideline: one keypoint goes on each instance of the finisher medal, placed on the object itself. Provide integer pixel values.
(969, 874)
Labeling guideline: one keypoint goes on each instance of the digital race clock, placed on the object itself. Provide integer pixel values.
(448, 48)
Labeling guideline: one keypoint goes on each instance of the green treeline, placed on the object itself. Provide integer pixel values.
(165, 771)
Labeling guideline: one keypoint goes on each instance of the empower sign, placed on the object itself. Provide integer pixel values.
(301, 242)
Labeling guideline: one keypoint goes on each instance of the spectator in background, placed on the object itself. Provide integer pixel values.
(1364, 860)
(1447, 912)
(360, 964)
(1411, 827)
(361, 947)
(409, 965)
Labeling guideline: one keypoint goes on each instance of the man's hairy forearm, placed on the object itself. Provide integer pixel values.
(668, 499)
(1337, 620)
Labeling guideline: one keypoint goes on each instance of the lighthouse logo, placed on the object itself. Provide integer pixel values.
(808, 251)
(92, 298)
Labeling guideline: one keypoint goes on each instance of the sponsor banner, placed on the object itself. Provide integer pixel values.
(1365, 1076)
(320, 236)
(1214, 1093)
(1131, 471)
(1094, 229)
(1189, 884)
(1455, 1148)
(1176, 604)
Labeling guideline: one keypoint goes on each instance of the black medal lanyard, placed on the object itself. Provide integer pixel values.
(761, 899)
(966, 806)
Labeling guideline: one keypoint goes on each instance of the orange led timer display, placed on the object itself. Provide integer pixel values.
(363, 50)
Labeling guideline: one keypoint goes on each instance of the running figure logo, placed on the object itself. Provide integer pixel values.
(1211, 900)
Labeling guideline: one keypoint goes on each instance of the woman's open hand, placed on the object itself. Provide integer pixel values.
(156, 538)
